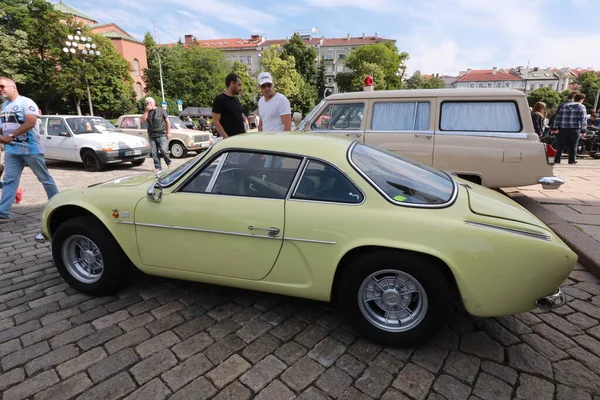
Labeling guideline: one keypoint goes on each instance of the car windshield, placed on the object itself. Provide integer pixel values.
(400, 179)
(172, 175)
(310, 115)
(90, 125)
(177, 123)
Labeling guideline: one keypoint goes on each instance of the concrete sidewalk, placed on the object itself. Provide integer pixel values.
(573, 211)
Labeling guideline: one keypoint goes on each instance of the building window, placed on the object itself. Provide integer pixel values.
(136, 67)
(138, 89)
(341, 56)
(249, 60)
(471, 85)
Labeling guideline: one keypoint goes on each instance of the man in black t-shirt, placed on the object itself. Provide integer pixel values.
(228, 116)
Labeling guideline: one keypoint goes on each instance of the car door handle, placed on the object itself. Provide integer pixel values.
(354, 134)
(48, 137)
(272, 230)
(427, 136)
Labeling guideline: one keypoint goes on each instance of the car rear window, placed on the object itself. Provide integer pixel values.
(401, 180)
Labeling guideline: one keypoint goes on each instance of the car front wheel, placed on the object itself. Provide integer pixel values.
(91, 162)
(177, 150)
(394, 298)
(88, 258)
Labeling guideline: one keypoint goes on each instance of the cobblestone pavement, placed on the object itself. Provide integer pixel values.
(163, 339)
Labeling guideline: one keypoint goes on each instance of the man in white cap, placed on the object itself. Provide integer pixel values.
(273, 108)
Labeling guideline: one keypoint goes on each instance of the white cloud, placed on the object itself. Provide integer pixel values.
(375, 6)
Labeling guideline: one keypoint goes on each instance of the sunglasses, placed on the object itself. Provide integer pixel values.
(266, 85)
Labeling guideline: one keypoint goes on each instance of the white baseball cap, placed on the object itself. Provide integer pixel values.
(264, 77)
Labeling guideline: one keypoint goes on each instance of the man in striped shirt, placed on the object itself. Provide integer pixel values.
(571, 120)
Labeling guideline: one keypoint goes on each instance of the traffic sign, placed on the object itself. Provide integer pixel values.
(164, 105)
(180, 102)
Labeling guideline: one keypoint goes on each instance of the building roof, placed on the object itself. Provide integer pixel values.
(354, 41)
(486, 75)
(65, 9)
(118, 35)
(536, 73)
(227, 43)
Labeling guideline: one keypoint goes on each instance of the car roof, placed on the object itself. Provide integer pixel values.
(449, 92)
(315, 145)
(71, 116)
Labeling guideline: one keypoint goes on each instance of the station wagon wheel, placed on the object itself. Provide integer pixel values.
(88, 257)
(177, 150)
(91, 162)
(393, 298)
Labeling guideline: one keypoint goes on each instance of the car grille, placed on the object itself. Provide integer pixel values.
(201, 138)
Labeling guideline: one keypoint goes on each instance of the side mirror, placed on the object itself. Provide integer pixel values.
(154, 192)
(64, 134)
(297, 118)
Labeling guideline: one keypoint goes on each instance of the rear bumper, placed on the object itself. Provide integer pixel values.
(123, 155)
(551, 182)
(553, 301)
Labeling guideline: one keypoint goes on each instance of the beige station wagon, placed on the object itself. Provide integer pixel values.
(482, 135)
(182, 139)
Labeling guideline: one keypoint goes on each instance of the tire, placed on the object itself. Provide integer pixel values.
(81, 231)
(91, 162)
(429, 307)
(177, 150)
(594, 155)
(137, 163)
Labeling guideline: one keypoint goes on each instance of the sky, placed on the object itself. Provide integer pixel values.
(440, 36)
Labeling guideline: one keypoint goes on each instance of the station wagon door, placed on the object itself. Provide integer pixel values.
(344, 119)
(404, 127)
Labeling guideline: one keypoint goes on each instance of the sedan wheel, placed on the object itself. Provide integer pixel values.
(88, 257)
(393, 298)
(177, 150)
(91, 162)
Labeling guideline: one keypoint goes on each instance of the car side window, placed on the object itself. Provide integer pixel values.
(322, 182)
(401, 116)
(345, 116)
(480, 116)
(129, 123)
(43, 126)
(247, 174)
(144, 125)
(56, 126)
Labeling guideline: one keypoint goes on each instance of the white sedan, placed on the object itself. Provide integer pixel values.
(92, 141)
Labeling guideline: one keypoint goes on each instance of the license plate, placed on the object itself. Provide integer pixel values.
(133, 153)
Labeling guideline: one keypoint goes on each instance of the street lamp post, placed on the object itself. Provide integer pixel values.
(162, 89)
(82, 45)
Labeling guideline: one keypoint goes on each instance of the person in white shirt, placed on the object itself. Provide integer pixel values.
(274, 108)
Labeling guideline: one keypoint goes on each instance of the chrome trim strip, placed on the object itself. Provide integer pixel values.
(553, 301)
(353, 131)
(510, 230)
(309, 240)
(500, 135)
(403, 132)
(216, 173)
(185, 228)
(120, 221)
(297, 178)
(399, 203)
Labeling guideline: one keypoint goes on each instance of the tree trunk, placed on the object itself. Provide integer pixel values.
(77, 104)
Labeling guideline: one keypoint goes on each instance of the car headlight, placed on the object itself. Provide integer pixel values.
(110, 146)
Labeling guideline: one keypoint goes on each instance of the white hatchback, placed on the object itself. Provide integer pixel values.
(92, 141)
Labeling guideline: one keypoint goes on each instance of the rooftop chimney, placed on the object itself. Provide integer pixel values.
(348, 37)
(469, 70)
(494, 70)
(363, 35)
(255, 37)
(189, 39)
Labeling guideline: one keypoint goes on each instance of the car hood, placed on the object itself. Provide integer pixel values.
(485, 201)
(121, 139)
(127, 181)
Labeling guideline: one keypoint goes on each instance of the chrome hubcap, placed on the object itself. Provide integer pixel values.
(83, 259)
(392, 300)
(177, 150)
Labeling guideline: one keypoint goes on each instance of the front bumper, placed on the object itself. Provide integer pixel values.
(553, 301)
(199, 146)
(551, 182)
(123, 155)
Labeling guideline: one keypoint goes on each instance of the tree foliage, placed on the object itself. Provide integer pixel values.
(418, 81)
(13, 52)
(250, 90)
(388, 59)
(546, 95)
(304, 57)
(589, 83)
(320, 79)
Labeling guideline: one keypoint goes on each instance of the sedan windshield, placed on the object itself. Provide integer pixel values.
(177, 123)
(400, 179)
(90, 125)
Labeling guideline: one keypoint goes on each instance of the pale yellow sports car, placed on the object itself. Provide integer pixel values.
(391, 242)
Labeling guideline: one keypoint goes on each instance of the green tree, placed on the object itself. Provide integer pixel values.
(416, 81)
(320, 78)
(589, 83)
(364, 69)
(433, 82)
(386, 56)
(304, 57)
(249, 87)
(546, 95)
(13, 52)
(343, 80)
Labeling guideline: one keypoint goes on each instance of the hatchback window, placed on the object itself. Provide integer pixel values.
(402, 180)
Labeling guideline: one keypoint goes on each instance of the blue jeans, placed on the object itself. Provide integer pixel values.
(13, 168)
(159, 144)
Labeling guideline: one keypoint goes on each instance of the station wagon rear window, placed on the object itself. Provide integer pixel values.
(401, 180)
(480, 116)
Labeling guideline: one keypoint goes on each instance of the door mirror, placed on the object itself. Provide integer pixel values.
(297, 117)
(154, 192)
(64, 134)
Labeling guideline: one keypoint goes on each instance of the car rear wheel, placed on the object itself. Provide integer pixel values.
(394, 298)
(177, 150)
(91, 162)
(88, 257)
